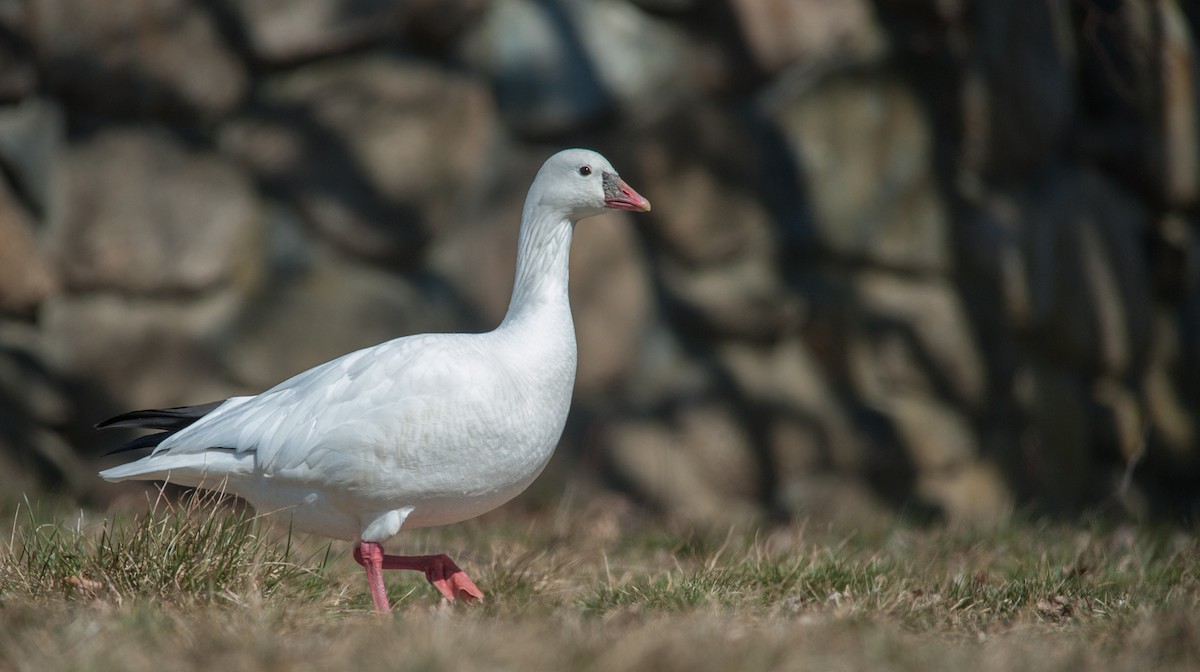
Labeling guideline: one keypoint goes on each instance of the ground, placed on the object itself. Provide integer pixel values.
(596, 584)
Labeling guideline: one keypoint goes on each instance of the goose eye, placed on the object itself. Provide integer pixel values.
(585, 170)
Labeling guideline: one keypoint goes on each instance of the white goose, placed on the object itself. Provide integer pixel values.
(419, 431)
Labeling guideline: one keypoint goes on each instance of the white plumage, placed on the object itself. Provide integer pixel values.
(419, 431)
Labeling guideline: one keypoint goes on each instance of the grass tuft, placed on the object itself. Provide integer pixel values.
(197, 549)
(198, 585)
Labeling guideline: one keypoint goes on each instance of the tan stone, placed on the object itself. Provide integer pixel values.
(26, 276)
(1179, 61)
(916, 335)
(699, 467)
(974, 494)
(148, 56)
(137, 212)
(864, 150)
(781, 32)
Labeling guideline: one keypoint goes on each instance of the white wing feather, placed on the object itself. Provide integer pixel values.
(284, 424)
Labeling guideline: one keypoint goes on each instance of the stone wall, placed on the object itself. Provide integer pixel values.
(938, 255)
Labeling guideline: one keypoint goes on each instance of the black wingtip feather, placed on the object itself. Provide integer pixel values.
(170, 420)
(148, 441)
(174, 418)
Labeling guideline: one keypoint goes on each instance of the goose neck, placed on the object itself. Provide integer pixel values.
(543, 252)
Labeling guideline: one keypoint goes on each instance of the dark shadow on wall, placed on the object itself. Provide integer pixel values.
(1105, 129)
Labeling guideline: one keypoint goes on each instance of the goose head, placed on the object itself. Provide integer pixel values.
(581, 183)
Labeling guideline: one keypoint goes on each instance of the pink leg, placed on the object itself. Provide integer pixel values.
(439, 570)
(370, 556)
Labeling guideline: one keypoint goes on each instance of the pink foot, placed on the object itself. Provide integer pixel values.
(451, 581)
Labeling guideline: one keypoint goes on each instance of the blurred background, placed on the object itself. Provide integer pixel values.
(934, 256)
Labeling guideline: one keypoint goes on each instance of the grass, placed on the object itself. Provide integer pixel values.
(201, 586)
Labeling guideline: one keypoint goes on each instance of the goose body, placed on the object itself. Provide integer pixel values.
(419, 431)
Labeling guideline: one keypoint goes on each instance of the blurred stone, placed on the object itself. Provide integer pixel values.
(1170, 396)
(743, 299)
(974, 494)
(667, 6)
(1090, 289)
(699, 466)
(167, 220)
(935, 435)
(1180, 71)
(313, 169)
(26, 276)
(434, 24)
(1121, 126)
(863, 151)
(1019, 104)
(1053, 464)
(1123, 426)
(18, 77)
(17, 467)
(664, 371)
(284, 31)
(699, 171)
(991, 245)
(337, 307)
(611, 297)
(383, 152)
(559, 66)
(27, 385)
(477, 251)
(914, 335)
(139, 58)
(834, 500)
(782, 32)
(32, 136)
(413, 127)
(138, 352)
(786, 384)
(18, 69)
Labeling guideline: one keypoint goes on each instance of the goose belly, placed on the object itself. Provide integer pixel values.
(465, 465)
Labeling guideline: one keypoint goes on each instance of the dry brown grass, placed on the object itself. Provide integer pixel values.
(603, 588)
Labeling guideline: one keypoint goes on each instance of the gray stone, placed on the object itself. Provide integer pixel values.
(974, 494)
(32, 137)
(864, 154)
(913, 335)
(328, 308)
(137, 57)
(810, 428)
(837, 501)
(779, 34)
(698, 466)
(612, 299)
(29, 388)
(477, 251)
(283, 31)
(742, 299)
(18, 72)
(1019, 104)
(384, 153)
(704, 184)
(27, 277)
(169, 220)
(139, 352)
(1090, 293)
(559, 66)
